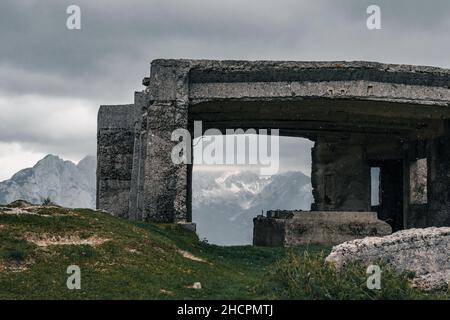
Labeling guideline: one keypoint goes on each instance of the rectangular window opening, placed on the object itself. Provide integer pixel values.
(375, 186)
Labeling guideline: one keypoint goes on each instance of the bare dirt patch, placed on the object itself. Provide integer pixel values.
(42, 211)
(16, 211)
(190, 256)
(45, 240)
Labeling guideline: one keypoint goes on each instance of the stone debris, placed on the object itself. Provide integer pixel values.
(165, 292)
(422, 251)
(130, 250)
(196, 286)
(190, 256)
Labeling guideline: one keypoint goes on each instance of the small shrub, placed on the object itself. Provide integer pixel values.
(47, 201)
(14, 249)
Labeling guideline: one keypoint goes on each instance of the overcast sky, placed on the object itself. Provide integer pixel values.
(52, 79)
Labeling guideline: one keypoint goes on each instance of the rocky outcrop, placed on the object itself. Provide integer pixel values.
(436, 281)
(64, 182)
(422, 251)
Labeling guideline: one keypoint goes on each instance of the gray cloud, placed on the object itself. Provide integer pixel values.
(109, 56)
(49, 125)
(46, 69)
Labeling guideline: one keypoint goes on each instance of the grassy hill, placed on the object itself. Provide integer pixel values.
(126, 260)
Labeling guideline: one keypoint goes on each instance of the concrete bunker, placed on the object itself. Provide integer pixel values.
(361, 115)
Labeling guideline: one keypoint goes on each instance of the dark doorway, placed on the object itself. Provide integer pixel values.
(390, 193)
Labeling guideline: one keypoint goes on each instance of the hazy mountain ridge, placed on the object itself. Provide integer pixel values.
(224, 204)
(64, 182)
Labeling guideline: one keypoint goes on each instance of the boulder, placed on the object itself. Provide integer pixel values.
(436, 281)
(422, 251)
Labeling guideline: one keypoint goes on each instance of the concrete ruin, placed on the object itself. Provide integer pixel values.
(285, 228)
(361, 115)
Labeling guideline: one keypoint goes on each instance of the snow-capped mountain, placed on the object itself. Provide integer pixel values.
(237, 187)
(224, 204)
(65, 183)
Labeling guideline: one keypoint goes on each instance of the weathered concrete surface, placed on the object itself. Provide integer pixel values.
(423, 251)
(436, 212)
(165, 183)
(356, 104)
(340, 176)
(291, 228)
(139, 154)
(114, 158)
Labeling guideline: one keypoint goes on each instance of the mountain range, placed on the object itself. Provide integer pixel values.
(63, 182)
(224, 203)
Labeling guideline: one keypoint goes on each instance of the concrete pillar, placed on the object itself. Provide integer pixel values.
(115, 158)
(438, 182)
(141, 102)
(165, 183)
(340, 176)
(141, 169)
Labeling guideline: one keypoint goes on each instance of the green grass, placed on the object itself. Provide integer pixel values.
(143, 261)
(306, 276)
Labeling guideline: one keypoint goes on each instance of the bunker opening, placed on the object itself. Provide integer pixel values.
(389, 192)
(231, 187)
(351, 139)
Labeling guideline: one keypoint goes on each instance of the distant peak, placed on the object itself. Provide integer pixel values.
(292, 173)
(49, 158)
(88, 160)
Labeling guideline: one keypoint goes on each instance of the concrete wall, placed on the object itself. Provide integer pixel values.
(320, 227)
(340, 176)
(115, 141)
(165, 183)
(439, 182)
(436, 212)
